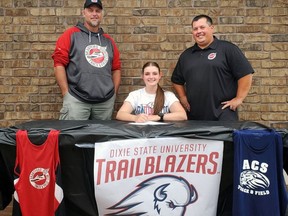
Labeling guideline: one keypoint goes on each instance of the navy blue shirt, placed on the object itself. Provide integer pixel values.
(258, 185)
(211, 76)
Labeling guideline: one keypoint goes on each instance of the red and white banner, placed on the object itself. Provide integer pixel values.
(158, 176)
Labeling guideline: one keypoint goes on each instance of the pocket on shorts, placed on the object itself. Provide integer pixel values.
(66, 95)
(63, 113)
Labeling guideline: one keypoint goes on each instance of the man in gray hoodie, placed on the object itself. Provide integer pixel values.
(87, 68)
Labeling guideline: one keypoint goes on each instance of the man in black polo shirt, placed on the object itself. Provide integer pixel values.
(213, 77)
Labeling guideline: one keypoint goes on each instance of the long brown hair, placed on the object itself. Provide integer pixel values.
(159, 99)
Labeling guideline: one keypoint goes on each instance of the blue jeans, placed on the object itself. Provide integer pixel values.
(73, 109)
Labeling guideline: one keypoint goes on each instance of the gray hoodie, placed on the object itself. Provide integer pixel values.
(89, 71)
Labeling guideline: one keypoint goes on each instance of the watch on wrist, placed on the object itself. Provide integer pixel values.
(161, 115)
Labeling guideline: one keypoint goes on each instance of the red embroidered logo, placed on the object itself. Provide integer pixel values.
(39, 178)
(96, 55)
(212, 56)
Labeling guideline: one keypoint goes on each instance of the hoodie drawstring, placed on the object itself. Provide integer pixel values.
(99, 39)
(90, 38)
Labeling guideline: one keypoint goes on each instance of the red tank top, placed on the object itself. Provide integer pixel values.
(35, 170)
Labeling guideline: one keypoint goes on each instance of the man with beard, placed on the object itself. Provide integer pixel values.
(87, 68)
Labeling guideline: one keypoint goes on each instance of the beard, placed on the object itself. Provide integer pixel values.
(93, 23)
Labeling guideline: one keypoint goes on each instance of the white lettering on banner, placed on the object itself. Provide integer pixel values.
(158, 176)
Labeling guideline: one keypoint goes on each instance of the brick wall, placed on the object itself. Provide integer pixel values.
(143, 30)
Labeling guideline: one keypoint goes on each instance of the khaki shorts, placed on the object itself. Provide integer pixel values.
(73, 109)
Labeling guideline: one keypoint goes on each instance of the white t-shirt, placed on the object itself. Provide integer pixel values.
(142, 102)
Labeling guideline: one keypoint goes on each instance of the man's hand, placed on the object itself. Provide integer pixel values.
(185, 103)
(232, 104)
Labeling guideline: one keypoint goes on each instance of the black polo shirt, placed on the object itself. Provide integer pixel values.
(211, 76)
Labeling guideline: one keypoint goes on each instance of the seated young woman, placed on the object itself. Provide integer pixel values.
(151, 103)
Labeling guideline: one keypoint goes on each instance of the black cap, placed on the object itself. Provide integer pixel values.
(88, 3)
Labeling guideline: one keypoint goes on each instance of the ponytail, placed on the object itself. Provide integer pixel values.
(159, 100)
